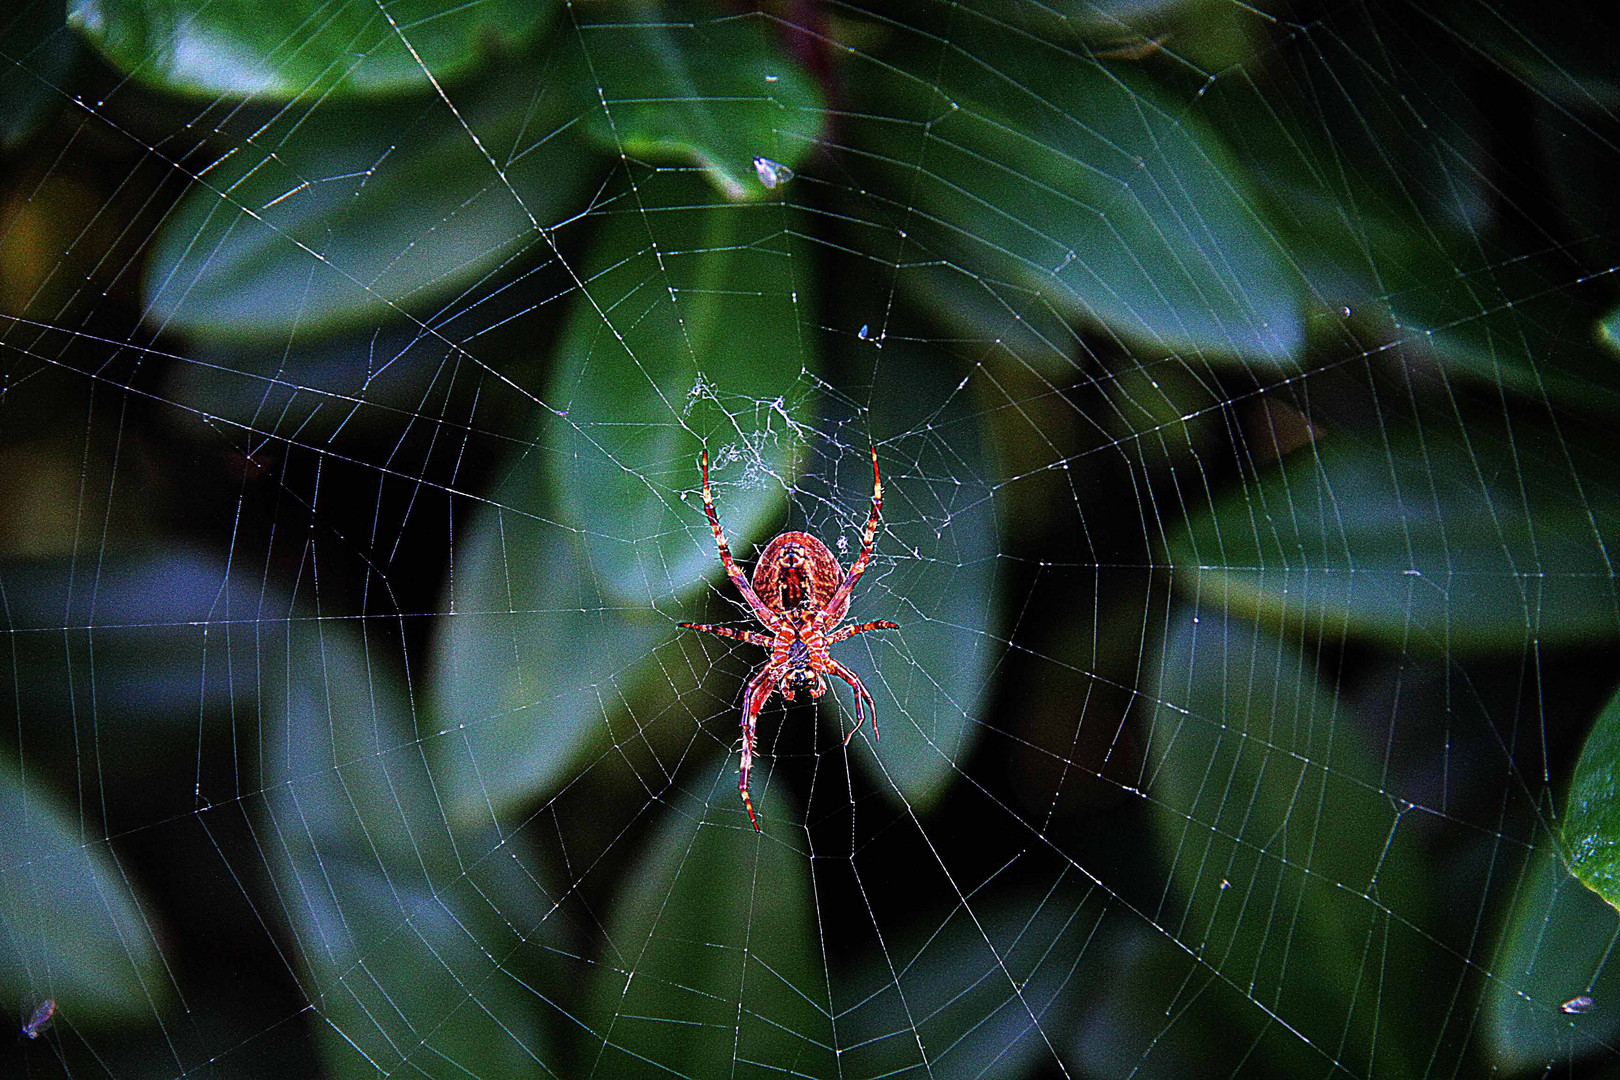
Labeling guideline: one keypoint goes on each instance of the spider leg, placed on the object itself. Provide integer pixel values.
(761, 612)
(758, 692)
(753, 637)
(850, 631)
(854, 680)
(841, 597)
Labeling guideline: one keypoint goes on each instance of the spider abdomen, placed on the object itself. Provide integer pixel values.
(797, 572)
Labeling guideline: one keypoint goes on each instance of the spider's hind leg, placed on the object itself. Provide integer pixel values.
(862, 697)
(758, 691)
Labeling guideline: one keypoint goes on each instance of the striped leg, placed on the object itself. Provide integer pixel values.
(761, 612)
(849, 631)
(753, 637)
(758, 692)
(840, 599)
(854, 680)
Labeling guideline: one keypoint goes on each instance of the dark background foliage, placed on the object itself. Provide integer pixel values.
(1242, 378)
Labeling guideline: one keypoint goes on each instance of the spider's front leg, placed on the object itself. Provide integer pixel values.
(753, 637)
(754, 698)
(839, 601)
(761, 612)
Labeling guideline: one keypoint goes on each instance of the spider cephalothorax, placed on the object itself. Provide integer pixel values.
(800, 594)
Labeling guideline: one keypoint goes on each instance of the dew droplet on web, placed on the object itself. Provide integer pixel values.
(1580, 1003)
(772, 174)
(40, 1019)
(863, 332)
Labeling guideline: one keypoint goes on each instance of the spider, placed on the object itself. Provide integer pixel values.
(800, 594)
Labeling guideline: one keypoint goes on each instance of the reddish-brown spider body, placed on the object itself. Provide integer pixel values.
(800, 594)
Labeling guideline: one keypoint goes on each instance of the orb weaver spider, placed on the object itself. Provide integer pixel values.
(800, 594)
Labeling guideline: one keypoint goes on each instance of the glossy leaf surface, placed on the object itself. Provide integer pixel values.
(688, 337)
(713, 955)
(408, 964)
(302, 48)
(74, 931)
(1418, 539)
(1265, 800)
(1040, 168)
(1555, 947)
(1591, 827)
(358, 214)
(674, 84)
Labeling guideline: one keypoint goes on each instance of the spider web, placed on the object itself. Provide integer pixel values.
(1239, 381)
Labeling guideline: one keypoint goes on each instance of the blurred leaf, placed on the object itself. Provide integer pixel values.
(1197, 35)
(1387, 204)
(308, 392)
(1033, 166)
(712, 953)
(1148, 1010)
(1255, 823)
(1591, 826)
(691, 337)
(1520, 321)
(70, 926)
(343, 215)
(1608, 331)
(669, 85)
(555, 587)
(39, 54)
(934, 568)
(1416, 539)
(1558, 943)
(534, 662)
(407, 951)
(302, 48)
(145, 620)
(987, 995)
(1020, 321)
(1562, 51)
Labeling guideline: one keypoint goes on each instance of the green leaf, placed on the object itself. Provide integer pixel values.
(1133, 977)
(669, 86)
(145, 621)
(935, 573)
(691, 336)
(712, 955)
(1608, 331)
(1521, 321)
(1417, 539)
(535, 662)
(136, 653)
(1402, 236)
(41, 54)
(1592, 811)
(71, 928)
(1266, 800)
(1557, 945)
(935, 562)
(558, 582)
(989, 994)
(1564, 54)
(406, 951)
(348, 215)
(303, 48)
(1025, 164)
